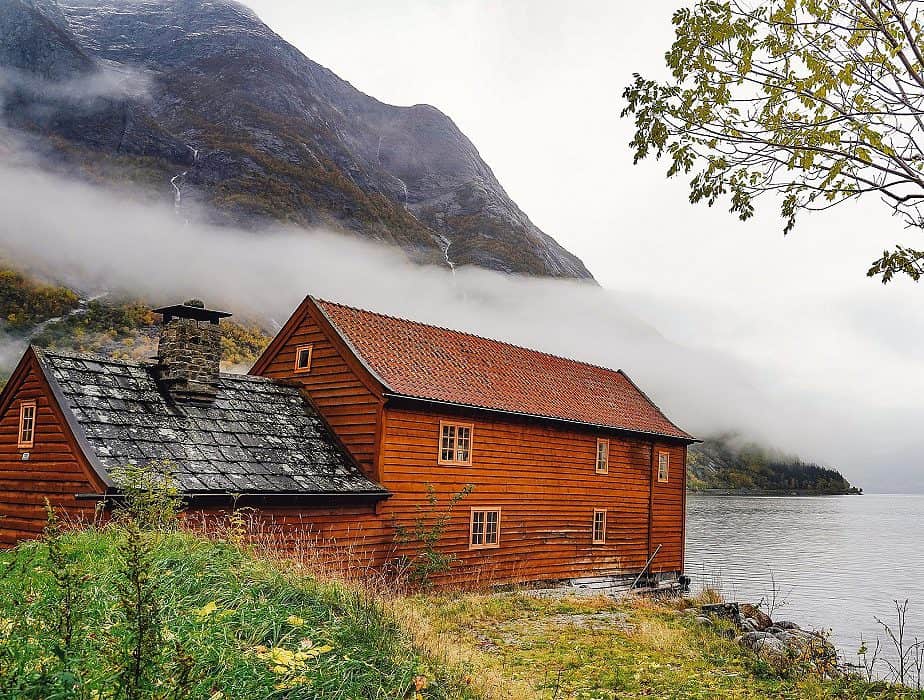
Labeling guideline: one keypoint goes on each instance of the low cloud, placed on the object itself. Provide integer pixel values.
(96, 239)
(107, 82)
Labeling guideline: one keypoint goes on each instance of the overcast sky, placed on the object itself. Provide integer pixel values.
(785, 339)
(537, 87)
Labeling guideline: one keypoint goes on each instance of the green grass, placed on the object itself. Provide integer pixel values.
(237, 625)
(241, 627)
(589, 648)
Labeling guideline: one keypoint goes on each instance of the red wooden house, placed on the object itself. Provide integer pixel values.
(347, 420)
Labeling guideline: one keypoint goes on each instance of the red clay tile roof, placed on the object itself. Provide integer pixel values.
(427, 362)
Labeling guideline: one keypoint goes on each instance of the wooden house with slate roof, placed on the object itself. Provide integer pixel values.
(342, 427)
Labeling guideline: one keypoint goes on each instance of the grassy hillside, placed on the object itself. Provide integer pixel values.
(54, 316)
(25, 302)
(213, 624)
(727, 463)
(210, 621)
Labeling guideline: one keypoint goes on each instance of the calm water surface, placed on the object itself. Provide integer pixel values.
(838, 560)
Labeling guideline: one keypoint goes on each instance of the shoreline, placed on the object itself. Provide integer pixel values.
(770, 492)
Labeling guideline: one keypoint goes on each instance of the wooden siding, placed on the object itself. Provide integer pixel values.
(343, 540)
(336, 384)
(544, 478)
(55, 470)
(667, 509)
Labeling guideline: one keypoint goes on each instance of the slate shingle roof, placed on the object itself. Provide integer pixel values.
(416, 360)
(257, 436)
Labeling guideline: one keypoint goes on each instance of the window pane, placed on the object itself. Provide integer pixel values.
(448, 443)
(463, 442)
(478, 527)
(303, 356)
(491, 529)
(599, 525)
(26, 423)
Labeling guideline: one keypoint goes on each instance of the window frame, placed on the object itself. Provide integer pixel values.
(20, 442)
(606, 457)
(298, 352)
(455, 445)
(593, 527)
(471, 527)
(664, 469)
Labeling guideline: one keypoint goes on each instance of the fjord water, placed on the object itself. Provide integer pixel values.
(838, 561)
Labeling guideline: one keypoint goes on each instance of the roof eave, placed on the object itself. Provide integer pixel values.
(249, 496)
(349, 344)
(72, 423)
(687, 439)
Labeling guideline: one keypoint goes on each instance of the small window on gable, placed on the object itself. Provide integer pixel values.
(664, 466)
(603, 456)
(303, 355)
(599, 536)
(26, 424)
(455, 443)
(484, 528)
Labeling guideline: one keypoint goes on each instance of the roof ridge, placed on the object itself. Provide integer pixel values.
(521, 364)
(94, 357)
(473, 335)
(145, 364)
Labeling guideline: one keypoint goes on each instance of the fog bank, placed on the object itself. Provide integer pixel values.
(95, 239)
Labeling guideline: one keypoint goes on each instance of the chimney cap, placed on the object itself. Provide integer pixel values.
(193, 309)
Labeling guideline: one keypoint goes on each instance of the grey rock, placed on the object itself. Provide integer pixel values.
(703, 620)
(787, 625)
(748, 625)
(771, 649)
(751, 639)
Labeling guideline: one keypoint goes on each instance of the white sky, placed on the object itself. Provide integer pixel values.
(537, 87)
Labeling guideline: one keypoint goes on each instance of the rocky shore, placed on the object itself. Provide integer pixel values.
(781, 644)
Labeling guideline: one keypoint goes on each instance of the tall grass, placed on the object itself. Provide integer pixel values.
(229, 626)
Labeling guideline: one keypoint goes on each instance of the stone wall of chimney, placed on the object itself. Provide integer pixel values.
(189, 354)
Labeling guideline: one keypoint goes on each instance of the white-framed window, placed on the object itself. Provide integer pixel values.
(484, 528)
(26, 424)
(599, 531)
(455, 443)
(303, 355)
(603, 456)
(664, 466)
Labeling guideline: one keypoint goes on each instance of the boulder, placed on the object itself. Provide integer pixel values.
(761, 618)
(771, 650)
(704, 620)
(728, 611)
(751, 639)
(787, 625)
(748, 625)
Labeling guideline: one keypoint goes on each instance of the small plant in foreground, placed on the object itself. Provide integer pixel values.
(425, 535)
(139, 602)
(149, 496)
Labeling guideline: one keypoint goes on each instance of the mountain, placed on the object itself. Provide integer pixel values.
(201, 101)
(726, 464)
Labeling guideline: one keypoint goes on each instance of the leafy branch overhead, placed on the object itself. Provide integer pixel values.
(814, 101)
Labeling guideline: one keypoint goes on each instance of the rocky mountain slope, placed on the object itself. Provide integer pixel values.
(201, 101)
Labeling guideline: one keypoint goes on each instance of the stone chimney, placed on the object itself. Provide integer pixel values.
(189, 351)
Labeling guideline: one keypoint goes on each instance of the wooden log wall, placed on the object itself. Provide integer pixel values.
(54, 469)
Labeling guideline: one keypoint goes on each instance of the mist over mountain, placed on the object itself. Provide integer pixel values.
(198, 100)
